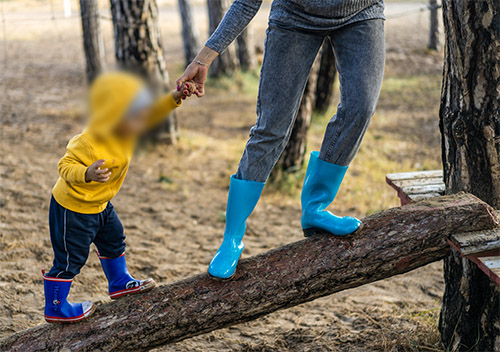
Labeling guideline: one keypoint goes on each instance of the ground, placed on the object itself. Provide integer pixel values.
(172, 203)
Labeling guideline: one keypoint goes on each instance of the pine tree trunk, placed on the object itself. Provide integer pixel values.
(138, 48)
(246, 49)
(189, 31)
(292, 158)
(92, 38)
(226, 63)
(326, 78)
(434, 26)
(470, 127)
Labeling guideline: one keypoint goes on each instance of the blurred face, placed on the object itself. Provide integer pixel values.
(133, 125)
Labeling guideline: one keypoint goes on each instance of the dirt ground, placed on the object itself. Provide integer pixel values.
(173, 228)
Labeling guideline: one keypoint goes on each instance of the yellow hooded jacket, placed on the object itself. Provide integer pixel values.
(110, 97)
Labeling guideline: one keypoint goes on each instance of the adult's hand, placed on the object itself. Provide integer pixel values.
(198, 69)
(196, 73)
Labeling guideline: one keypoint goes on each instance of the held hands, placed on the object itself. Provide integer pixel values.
(184, 91)
(94, 172)
(197, 74)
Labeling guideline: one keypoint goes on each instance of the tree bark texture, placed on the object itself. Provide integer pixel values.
(292, 158)
(434, 26)
(226, 63)
(245, 44)
(391, 242)
(470, 127)
(326, 78)
(92, 38)
(138, 48)
(189, 31)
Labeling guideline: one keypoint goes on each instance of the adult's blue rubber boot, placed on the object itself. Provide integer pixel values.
(57, 307)
(120, 282)
(321, 185)
(242, 199)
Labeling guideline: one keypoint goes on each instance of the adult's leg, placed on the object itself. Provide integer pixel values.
(360, 57)
(360, 52)
(288, 58)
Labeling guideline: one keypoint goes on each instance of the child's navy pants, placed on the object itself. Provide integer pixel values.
(72, 233)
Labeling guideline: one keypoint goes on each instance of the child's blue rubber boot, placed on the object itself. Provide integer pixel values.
(321, 185)
(242, 199)
(57, 307)
(120, 283)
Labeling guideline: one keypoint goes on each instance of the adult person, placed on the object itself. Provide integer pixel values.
(294, 36)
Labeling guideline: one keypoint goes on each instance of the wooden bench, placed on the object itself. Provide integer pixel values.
(482, 248)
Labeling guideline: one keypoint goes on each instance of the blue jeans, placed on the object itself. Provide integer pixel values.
(288, 57)
(72, 234)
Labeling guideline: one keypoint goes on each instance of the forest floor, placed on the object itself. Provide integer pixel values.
(173, 200)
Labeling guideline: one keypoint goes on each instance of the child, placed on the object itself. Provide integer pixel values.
(91, 174)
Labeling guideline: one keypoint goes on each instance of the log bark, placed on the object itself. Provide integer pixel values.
(226, 63)
(245, 44)
(292, 158)
(138, 49)
(92, 38)
(326, 78)
(189, 31)
(434, 26)
(391, 242)
(470, 127)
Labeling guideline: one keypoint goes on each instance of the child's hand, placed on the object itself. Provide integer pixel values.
(94, 172)
(185, 90)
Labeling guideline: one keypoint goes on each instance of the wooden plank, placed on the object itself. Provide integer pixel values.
(417, 188)
(415, 175)
(476, 242)
(490, 266)
(421, 181)
(421, 196)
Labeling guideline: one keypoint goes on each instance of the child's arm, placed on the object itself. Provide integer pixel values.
(73, 165)
(168, 103)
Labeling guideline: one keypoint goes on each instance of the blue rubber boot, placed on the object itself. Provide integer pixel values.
(57, 307)
(321, 185)
(120, 282)
(242, 199)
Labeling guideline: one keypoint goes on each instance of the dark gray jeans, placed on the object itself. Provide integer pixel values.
(288, 56)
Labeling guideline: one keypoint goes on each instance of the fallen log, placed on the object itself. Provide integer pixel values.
(391, 242)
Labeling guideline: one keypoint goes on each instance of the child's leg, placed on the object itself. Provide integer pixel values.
(71, 234)
(110, 242)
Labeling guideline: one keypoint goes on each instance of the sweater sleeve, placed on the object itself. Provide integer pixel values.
(234, 22)
(72, 166)
(161, 109)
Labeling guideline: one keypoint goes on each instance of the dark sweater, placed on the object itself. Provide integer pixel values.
(310, 15)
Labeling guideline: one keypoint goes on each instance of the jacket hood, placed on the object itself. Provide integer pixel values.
(111, 95)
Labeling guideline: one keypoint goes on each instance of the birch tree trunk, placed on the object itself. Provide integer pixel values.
(245, 44)
(189, 31)
(326, 78)
(138, 48)
(226, 63)
(470, 127)
(92, 38)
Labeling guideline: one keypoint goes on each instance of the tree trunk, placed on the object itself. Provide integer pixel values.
(470, 127)
(326, 78)
(226, 63)
(246, 49)
(434, 26)
(189, 31)
(138, 48)
(92, 38)
(292, 158)
(391, 242)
